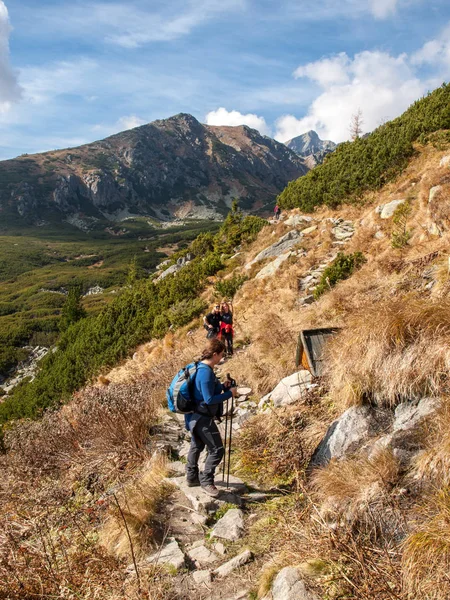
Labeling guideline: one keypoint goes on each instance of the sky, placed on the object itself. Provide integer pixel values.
(75, 71)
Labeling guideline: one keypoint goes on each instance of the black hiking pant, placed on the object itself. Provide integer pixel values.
(204, 434)
(228, 339)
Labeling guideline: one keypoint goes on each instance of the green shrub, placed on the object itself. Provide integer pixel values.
(400, 233)
(341, 268)
(227, 288)
(367, 164)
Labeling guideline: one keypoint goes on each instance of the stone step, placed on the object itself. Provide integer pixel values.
(205, 504)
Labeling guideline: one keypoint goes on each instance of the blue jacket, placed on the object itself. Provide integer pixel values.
(209, 393)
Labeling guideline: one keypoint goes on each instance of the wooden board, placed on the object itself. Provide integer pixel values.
(310, 347)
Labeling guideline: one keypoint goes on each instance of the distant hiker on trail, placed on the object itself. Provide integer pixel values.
(211, 322)
(277, 212)
(210, 395)
(226, 326)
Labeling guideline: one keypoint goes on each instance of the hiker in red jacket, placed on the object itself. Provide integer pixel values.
(277, 212)
(226, 326)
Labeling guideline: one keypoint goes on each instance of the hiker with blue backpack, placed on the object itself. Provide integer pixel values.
(200, 396)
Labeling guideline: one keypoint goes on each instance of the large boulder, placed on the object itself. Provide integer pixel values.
(230, 526)
(288, 585)
(350, 432)
(410, 414)
(273, 266)
(386, 211)
(289, 390)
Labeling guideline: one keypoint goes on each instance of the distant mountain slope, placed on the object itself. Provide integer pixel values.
(310, 147)
(171, 167)
(368, 163)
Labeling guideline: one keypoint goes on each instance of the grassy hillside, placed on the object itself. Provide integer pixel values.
(367, 164)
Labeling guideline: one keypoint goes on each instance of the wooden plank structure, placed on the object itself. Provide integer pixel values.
(310, 346)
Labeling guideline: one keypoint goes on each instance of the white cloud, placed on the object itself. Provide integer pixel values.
(435, 53)
(379, 84)
(130, 122)
(122, 124)
(327, 71)
(381, 9)
(10, 91)
(129, 25)
(222, 116)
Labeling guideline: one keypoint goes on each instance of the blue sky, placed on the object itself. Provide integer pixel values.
(73, 72)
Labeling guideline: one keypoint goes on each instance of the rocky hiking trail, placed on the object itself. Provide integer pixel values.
(201, 542)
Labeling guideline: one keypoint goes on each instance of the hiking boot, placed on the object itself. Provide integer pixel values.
(193, 482)
(211, 490)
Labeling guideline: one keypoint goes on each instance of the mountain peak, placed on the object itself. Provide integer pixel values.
(310, 147)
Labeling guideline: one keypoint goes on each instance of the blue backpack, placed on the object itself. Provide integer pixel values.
(180, 394)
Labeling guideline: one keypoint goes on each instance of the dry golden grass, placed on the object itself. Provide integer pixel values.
(432, 466)
(275, 447)
(394, 350)
(426, 556)
(352, 484)
(133, 525)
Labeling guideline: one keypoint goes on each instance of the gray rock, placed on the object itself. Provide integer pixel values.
(379, 235)
(288, 585)
(289, 390)
(306, 300)
(230, 526)
(309, 230)
(433, 191)
(409, 414)
(389, 209)
(281, 246)
(244, 391)
(169, 555)
(163, 264)
(202, 555)
(220, 548)
(200, 577)
(202, 503)
(445, 161)
(172, 269)
(350, 432)
(342, 234)
(295, 220)
(273, 266)
(233, 564)
(433, 229)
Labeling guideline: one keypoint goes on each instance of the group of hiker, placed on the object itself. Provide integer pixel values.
(219, 324)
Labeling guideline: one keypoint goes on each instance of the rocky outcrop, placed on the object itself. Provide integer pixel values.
(289, 390)
(175, 167)
(286, 242)
(350, 432)
(386, 211)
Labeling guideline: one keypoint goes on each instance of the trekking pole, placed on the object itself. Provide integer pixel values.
(229, 441)
(232, 384)
(225, 443)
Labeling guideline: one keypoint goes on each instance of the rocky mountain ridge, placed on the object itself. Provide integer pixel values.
(175, 167)
(310, 147)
